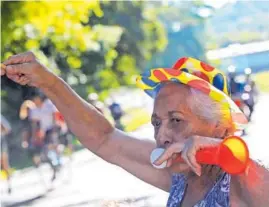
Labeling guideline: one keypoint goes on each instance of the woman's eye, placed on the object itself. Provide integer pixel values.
(156, 123)
(177, 120)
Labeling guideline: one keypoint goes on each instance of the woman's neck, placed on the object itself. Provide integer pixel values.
(209, 176)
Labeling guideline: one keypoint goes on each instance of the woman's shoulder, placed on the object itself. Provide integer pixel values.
(218, 195)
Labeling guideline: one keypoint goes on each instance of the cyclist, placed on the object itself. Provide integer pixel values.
(66, 136)
(30, 136)
(5, 131)
(116, 112)
(44, 114)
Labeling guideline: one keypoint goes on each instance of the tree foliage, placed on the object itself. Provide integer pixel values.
(94, 46)
(87, 42)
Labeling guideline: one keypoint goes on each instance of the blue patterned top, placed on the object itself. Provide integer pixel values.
(218, 196)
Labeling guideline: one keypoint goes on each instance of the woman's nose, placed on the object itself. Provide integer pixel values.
(162, 136)
(164, 142)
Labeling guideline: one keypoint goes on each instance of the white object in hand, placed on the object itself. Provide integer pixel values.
(155, 154)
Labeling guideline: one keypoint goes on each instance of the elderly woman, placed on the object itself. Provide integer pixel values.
(190, 112)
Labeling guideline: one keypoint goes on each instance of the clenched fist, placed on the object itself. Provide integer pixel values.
(25, 69)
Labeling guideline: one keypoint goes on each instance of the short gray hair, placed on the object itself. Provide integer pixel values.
(207, 109)
(203, 106)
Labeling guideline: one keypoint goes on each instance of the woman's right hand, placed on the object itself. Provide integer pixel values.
(25, 69)
(188, 150)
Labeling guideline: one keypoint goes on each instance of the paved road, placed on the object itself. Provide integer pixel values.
(92, 182)
(89, 181)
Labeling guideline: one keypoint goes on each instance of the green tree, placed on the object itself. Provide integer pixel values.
(95, 46)
(86, 42)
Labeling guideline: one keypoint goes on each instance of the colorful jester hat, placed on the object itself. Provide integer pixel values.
(200, 76)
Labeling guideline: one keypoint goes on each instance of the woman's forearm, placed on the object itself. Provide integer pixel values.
(253, 186)
(83, 119)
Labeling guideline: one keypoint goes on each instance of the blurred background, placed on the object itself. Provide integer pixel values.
(99, 47)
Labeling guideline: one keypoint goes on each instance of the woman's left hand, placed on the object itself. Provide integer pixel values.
(188, 150)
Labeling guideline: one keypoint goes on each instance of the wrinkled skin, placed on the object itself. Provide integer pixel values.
(178, 129)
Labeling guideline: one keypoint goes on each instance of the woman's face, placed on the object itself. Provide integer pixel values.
(172, 119)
